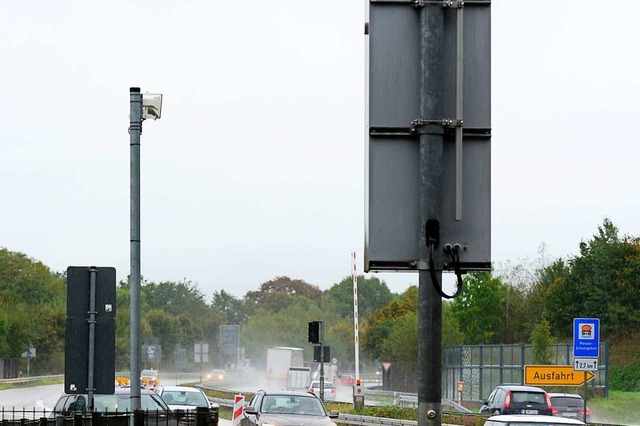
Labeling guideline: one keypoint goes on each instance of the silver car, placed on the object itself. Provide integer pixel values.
(286, 408)
(188, 399)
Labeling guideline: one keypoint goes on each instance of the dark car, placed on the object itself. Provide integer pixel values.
(118, 402)
(287, 408)
(569, 405)
(514, 399)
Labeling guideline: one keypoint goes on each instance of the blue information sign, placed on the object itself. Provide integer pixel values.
(586, 337)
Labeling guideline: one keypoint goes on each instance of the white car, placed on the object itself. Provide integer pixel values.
(149, 379)
(186, 398)
(329, 390)
(217, 375)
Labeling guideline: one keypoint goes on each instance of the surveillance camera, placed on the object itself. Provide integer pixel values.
(151, 106)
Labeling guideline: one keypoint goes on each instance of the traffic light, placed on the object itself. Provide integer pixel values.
(314, 331)
(326, 354)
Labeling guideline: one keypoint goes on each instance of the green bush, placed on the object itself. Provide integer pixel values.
(389, 411)
(625, 378)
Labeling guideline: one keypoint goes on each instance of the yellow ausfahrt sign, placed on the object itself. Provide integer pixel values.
(555, 375)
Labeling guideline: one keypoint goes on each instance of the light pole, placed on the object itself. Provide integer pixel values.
(141, 108)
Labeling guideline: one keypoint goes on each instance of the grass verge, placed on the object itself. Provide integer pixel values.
(619, 408)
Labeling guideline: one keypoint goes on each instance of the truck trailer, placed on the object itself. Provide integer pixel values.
(279, 361)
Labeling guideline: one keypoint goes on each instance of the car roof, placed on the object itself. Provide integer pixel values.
(565, 395)
(180, 388)
(288, 393)
(120, 390)
(534, 418)
(522, 388)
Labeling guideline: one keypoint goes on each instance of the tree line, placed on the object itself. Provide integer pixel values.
(516, 304)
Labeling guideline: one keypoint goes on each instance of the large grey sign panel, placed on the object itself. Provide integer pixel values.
(477, 65)
(393, 225)
(394, 65)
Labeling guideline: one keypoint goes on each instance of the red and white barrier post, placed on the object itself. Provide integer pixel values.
(238, 410)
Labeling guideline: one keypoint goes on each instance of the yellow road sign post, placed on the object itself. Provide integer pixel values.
(555, 375)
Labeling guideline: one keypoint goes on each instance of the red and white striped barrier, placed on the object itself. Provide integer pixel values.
(238, 410)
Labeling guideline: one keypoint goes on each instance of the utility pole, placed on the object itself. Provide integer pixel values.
(431, 134)
(141, 107)
(135, 129)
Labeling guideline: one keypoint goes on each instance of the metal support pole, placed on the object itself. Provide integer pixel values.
(586, 395)
(459, 108)
(356, 332)
(93, 272)
(431, 165)
(322, 361)
(430, 352)
(135, 129)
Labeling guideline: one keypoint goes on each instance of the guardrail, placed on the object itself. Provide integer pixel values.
(31, 379)
(353, 419)
(168, 377)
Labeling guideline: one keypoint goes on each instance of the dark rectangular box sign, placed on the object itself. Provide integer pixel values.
(76, 345)
(76, 362)
(78, 286)
(326, 352)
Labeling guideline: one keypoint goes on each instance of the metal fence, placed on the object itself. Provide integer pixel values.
(8, 367)
(481, 368)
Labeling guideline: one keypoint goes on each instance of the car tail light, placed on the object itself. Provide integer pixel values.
(507, 400)
(588, 412)
(549, 406)
(554, 410)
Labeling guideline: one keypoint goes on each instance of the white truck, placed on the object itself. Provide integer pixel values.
(330, 372)
(298, 378)
(279, 360)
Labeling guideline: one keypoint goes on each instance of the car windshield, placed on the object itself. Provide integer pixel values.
(532, 397)
(122, 402)
(327, 385)
(181, 397)
(286, 404)
(567, 402)
(148, 373)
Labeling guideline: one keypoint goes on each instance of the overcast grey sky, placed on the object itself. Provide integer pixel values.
(256, 168)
